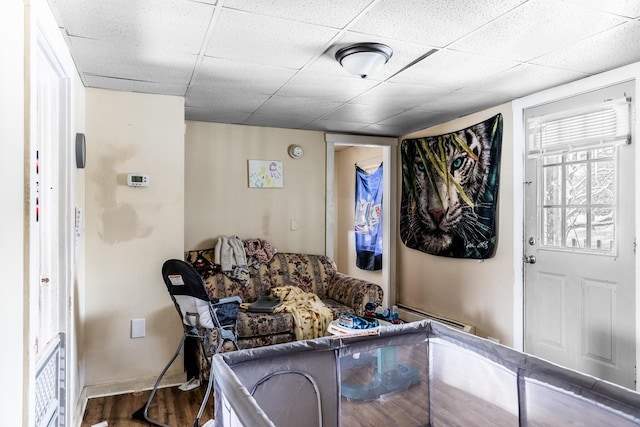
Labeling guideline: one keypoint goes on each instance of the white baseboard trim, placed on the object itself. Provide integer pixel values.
(131, 386)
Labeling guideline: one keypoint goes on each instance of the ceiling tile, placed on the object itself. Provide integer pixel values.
(536, 28)
(382, 130)
(613, 48)
(400, 95)
(264, 40)
(326, 87)
(278, 121)
(336, 126)
(411, 120)
(218, 115)
(311, 108)
(330, 13)
(237, 75)
(362, 113)
(134, 85)
(168, 24)
(434, 22)
(508, 84)
(463, 102)
(233, 100)
(450, 69)
(427, 120)
(627, 8)
(131, 62)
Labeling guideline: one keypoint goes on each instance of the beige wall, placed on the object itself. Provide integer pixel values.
(11, 215)
(218, 201)
(479, 293)
(345, 248)
(130, 232)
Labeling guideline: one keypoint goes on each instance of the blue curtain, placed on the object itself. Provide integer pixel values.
(368, 219)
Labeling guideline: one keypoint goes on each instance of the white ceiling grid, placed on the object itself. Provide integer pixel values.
(271, 62)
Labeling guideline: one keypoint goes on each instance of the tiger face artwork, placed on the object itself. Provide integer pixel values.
(449, 191)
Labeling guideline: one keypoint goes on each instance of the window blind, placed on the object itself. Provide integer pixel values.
(605, 123)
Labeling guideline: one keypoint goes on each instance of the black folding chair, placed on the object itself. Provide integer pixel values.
(199, 314)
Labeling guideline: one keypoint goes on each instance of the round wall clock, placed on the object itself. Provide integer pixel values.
(295, 151)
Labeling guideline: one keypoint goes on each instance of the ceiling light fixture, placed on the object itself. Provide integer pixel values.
(364, 59)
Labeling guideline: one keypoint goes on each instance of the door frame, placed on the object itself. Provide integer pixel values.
(389, 189)
(629, 72)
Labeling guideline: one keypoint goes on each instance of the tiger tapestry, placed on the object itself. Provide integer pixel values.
(450, 191)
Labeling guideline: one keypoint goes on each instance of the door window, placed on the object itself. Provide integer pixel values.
(576, 148)
(578, 195)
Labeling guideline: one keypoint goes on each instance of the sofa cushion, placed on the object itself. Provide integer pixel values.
(311, 273)
(254, 342)
(252, 324)
(221, 286)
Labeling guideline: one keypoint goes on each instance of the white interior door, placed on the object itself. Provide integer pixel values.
(580, 249)
(49, 241)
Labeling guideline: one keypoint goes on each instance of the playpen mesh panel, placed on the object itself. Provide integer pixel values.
(550, 406)
(282, 383)
(469, 389)
(385, 386)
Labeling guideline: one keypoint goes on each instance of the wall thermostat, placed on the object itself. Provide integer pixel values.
(137, 180)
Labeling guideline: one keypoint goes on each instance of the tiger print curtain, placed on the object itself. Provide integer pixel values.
(450, 191)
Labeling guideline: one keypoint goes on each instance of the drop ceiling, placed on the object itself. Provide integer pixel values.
(271, 62)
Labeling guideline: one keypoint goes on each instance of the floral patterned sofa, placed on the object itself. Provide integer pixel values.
(312, 273)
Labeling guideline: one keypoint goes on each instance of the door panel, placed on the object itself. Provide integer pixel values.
(599, 314)
(551, 304)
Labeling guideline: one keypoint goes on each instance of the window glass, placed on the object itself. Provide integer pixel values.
(578, 195)
(552, 227)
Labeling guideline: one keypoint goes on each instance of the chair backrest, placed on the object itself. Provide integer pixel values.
(188, 293)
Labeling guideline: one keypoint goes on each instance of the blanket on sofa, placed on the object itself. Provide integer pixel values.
(311, 316)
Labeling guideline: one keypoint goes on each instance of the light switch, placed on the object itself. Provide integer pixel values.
(293, 225)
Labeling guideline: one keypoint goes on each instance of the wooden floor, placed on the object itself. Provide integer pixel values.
(170, 406)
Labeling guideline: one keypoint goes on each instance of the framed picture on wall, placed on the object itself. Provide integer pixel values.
(265, 174)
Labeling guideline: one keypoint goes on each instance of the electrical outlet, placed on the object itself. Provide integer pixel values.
(137, 328)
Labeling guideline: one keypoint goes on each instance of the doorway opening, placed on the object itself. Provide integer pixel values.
(387, 147)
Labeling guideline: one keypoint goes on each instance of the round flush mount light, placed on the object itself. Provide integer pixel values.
(364, 59)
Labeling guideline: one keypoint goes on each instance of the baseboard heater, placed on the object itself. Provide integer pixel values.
(409, 314)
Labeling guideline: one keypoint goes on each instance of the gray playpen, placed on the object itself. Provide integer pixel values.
(414, 374)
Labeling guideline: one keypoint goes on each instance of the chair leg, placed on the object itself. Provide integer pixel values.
(205, 400)
(203, 405)
(141, 414)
